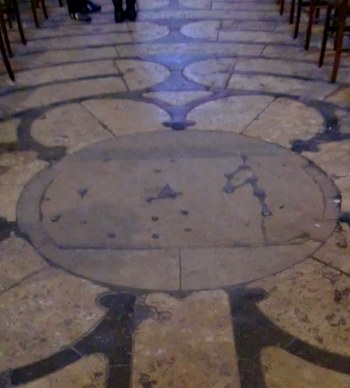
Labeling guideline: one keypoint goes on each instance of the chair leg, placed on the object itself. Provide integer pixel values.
(43, 5)
(297, 20)
(281, 7)
(310, 23)
(6, 61)
(339, 43)
(35, 16)
(6, 37)
(60, 2)
(19, 22)
(325, 35)
(292, 11)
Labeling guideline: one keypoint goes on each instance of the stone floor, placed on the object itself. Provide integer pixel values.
(174, 202)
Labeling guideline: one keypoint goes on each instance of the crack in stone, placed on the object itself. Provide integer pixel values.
(249, 179)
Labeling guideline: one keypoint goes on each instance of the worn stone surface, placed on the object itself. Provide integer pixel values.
(336, 251)
(175, 209)
(275, 84)
(194, 345)
(45, 312)
(17, 168)
(178, 98)
(18, 260)
(213, 72)
(234, 115)
(285, 370)
(8, 132)
(89, 372)
(284, 121)
(312, 302)
(202, 30)
(333, 158)
(71, 126)
(343, 184)
(140, 75)
(9, 198)
(127, 116)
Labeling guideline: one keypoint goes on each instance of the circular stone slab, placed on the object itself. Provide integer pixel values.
(178, 210)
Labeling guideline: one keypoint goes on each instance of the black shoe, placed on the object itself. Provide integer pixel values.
(80, 17)
(119, 16)
(92, 7)
(130, 12)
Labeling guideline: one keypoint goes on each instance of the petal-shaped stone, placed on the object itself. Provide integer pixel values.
(194, 346)
(71, 126)
(43, 313)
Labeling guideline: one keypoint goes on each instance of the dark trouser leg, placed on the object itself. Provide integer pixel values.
(130, 12)
(119, 16)
(76, 5)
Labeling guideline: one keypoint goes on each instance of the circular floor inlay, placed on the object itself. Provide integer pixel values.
(185, 210)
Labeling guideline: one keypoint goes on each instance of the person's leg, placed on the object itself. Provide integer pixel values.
(130, 12)
(119, 16)
(76, 10)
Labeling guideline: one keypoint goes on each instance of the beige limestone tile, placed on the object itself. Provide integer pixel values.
(224, 267)
(312, 302)
(71, 126)
(17, 261)
(203, 4)
(152, 4)
(9, 195)
(275, 84)
(254, 37)
(340, 97)
(65, 72)
(343, 185)
(213, 72)
(198, 48)
(8, 131)
(242, 6)
(336, 251)
(282, 67)
(231, 25)
(177, 98)
(85, 54)
(88, 372)
(194, 344)
(231, 114)
(126, 116)
(43, 313)
(139, 74)
(282, 369)
(293, 53)
(205, 14)
(202, 30)
(286, 120)
(46, 95)
(17, 168)
(333, 158)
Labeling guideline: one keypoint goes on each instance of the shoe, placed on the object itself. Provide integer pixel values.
(119, 16)
(80, 17)
(92, 7)
(130, 12)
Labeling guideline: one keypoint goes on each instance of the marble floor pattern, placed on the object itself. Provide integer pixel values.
(174, 202)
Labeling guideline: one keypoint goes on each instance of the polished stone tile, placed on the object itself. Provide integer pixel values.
(71, 126)
(43, 313)
(194, 346)
(89, 371)
(282, 369)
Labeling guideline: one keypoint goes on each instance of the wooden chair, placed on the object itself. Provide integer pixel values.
(35, 6)
(8, 10)
(335, 23)
(313, 13)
